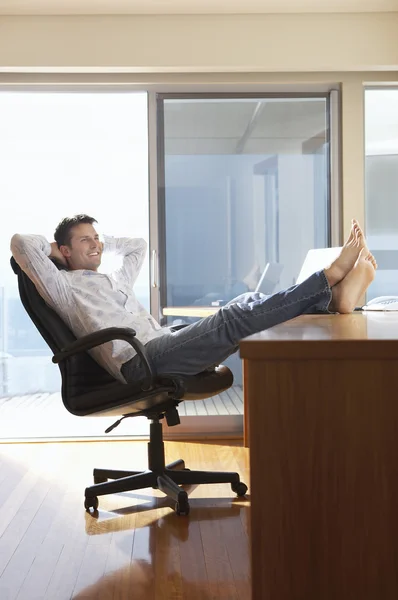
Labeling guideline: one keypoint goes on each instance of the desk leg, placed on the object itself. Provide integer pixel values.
(246, 423)
(324, 479)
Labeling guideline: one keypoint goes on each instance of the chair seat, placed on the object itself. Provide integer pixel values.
(208, 383)
(119, 398)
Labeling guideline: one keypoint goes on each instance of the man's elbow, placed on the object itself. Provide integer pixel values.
(139, 245)
(16, 242)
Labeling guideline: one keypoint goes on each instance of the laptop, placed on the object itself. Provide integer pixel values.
(316, 260)
(269, 278)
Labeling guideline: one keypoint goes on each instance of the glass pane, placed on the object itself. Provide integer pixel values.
(246, 188)
(62, 154)
(381, 172)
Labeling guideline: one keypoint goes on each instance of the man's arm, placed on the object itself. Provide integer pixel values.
(33, 253)
(133, 251)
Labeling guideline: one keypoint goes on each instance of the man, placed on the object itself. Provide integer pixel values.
(88, 300)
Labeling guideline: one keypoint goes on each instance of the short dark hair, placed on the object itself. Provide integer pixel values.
(62, 234)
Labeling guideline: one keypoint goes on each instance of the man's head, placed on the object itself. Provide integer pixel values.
(79, 242)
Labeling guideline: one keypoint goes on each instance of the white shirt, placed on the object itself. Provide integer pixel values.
(89, 301)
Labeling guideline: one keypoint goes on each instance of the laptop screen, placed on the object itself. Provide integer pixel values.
(269, 278)
(316, 260)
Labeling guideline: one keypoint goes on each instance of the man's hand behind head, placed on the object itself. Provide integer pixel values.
(57, 255)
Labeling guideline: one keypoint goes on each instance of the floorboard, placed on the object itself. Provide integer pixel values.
(135, 547)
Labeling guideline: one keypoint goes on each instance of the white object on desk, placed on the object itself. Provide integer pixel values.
(382, 303)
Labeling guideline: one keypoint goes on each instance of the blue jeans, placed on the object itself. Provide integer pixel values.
(211, 340)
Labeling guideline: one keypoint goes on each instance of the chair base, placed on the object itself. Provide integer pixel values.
(167, 478)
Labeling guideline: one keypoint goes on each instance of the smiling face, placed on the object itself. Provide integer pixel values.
(84, 250)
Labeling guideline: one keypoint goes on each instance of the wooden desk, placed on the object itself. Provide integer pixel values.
(189, 311)
(323, 397)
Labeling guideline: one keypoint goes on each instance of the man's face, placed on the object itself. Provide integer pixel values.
(85, 249)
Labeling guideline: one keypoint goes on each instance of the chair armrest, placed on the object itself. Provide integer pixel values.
(106, 335)
(178, 327)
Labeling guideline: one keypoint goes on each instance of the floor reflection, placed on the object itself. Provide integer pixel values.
(157, 554)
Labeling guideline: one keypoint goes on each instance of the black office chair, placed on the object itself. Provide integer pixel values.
(89, 390)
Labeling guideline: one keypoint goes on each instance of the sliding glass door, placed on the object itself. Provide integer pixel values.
(244, 193)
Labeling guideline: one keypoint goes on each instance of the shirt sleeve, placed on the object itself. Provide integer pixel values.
(133, 251)
(32, 252)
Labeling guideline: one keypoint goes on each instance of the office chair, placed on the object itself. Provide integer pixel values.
(89, 390)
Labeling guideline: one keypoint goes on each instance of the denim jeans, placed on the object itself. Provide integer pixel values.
(211, 340)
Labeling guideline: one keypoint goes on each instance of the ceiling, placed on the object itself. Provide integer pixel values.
(151, 7)
(250, 126)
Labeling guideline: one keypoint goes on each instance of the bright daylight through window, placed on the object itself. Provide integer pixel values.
(62, 154)
(381, 170)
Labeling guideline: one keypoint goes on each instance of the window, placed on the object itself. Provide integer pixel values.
(62, 154)
(245, 183)
(381, 176)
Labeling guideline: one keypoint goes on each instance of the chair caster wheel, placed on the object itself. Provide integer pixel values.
(239, 488)
(98, 479)
(91, 502)
(182, 509)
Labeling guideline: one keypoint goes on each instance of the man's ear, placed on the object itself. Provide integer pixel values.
(65, 251)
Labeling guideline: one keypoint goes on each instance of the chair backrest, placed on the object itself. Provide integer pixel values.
(82, 376)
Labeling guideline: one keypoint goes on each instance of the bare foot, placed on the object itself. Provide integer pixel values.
(346, 294)
(373, 260)
(349, 253)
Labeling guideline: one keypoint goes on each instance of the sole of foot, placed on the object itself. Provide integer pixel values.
(348, 292)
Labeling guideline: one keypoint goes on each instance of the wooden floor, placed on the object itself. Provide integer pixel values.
(135, 547)
(44, 415)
